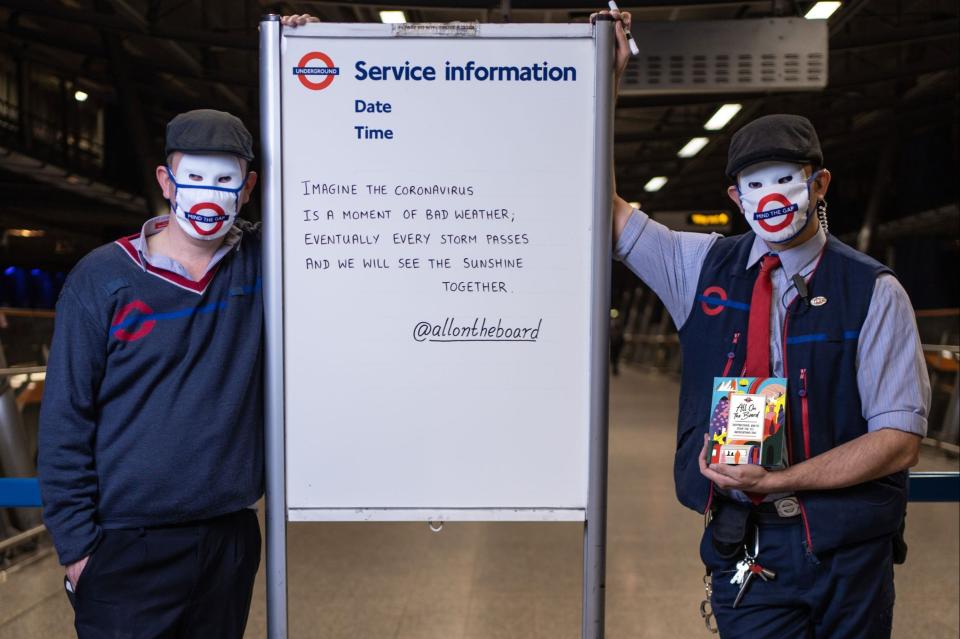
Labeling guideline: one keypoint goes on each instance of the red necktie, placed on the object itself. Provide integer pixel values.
(758, 331)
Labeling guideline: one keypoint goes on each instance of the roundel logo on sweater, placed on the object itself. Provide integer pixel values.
(132, 322)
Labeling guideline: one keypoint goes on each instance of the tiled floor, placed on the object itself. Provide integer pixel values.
(490, 581)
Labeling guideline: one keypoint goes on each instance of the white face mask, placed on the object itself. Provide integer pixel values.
(207, 197)
(775, 197)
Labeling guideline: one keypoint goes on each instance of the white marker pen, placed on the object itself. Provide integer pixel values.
(634, 49)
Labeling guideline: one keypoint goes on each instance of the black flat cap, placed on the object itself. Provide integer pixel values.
(209, 131)
(783, 137)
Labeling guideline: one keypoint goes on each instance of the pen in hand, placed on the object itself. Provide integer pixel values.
(634, 49)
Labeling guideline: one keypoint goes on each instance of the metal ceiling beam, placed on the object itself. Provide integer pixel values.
(847, 13)
(57, 177)
(136, 124)
(848, 147)
(549, 5)
(170, 102)
(878, 194)
(30, 37)
(132, 14)
(628, 103)
(856, 106)
(941, 221)
(119, 24)
(67, 219)
(907, 35)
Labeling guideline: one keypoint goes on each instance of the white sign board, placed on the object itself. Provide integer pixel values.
(438, 267)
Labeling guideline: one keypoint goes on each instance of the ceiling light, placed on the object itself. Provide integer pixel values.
(723, 115)
(692, 147)
(822, 10)
(393, 17)
(80, 96)
(655, 184)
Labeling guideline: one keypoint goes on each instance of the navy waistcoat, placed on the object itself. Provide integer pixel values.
(820, 353)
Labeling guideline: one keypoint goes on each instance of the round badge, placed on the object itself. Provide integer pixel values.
(819, 300)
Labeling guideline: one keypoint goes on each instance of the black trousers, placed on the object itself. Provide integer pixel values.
(172, 582)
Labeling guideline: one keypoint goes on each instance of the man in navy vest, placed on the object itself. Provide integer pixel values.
(786, 299)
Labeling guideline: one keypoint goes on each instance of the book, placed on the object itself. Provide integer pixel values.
(748, 417)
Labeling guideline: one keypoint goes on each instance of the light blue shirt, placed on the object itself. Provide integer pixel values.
(891, 370)
(156, 224)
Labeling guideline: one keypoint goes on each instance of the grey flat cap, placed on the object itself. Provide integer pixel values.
(783, 137)
(209, 131)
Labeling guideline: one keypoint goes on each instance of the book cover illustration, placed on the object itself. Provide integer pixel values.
(748, 421)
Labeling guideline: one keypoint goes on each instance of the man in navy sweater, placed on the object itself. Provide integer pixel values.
(152, 420)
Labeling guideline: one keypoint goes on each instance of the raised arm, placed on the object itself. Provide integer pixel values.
(667, 261)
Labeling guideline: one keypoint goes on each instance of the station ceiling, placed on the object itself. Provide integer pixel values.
(83, 171)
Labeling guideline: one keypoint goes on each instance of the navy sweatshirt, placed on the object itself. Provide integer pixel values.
(152, 412)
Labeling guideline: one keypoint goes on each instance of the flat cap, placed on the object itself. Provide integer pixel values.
(783, 137)
(209, 131)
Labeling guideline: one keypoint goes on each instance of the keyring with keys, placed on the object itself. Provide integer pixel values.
(706, 608)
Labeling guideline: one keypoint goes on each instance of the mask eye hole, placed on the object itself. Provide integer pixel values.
(754, 185)
(787, 179)
(225, 179)
(195, 177)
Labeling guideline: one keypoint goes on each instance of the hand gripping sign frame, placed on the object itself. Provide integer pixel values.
(594, 514)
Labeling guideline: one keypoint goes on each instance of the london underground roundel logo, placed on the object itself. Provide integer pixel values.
(786, 209)
(711, 292)
(326, 71)
(217, 219)
(135, 329)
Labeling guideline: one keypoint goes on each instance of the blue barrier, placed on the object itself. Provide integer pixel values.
(924, 487)
(935, 486)
(19, 492)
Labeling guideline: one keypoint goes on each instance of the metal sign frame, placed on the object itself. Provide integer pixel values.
(595, 524)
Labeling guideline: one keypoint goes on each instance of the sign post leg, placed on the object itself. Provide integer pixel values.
(274, 444)
(595, 527)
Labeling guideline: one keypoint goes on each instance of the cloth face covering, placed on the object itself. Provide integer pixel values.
(775, 197)
(207, 199)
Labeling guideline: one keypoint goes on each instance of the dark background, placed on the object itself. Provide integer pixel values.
(82, 172)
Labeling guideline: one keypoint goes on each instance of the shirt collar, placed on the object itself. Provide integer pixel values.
(156, 224)
(795, 259)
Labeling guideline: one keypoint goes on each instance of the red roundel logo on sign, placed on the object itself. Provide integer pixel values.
(717, 292)
(325, 72)
(127, 334)
(207, 206)
(784, 202)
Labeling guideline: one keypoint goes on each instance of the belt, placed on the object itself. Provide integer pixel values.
(779, 511)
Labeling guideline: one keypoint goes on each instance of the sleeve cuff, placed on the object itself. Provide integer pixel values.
(630, 234)
(899, 420)
(70, 553)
